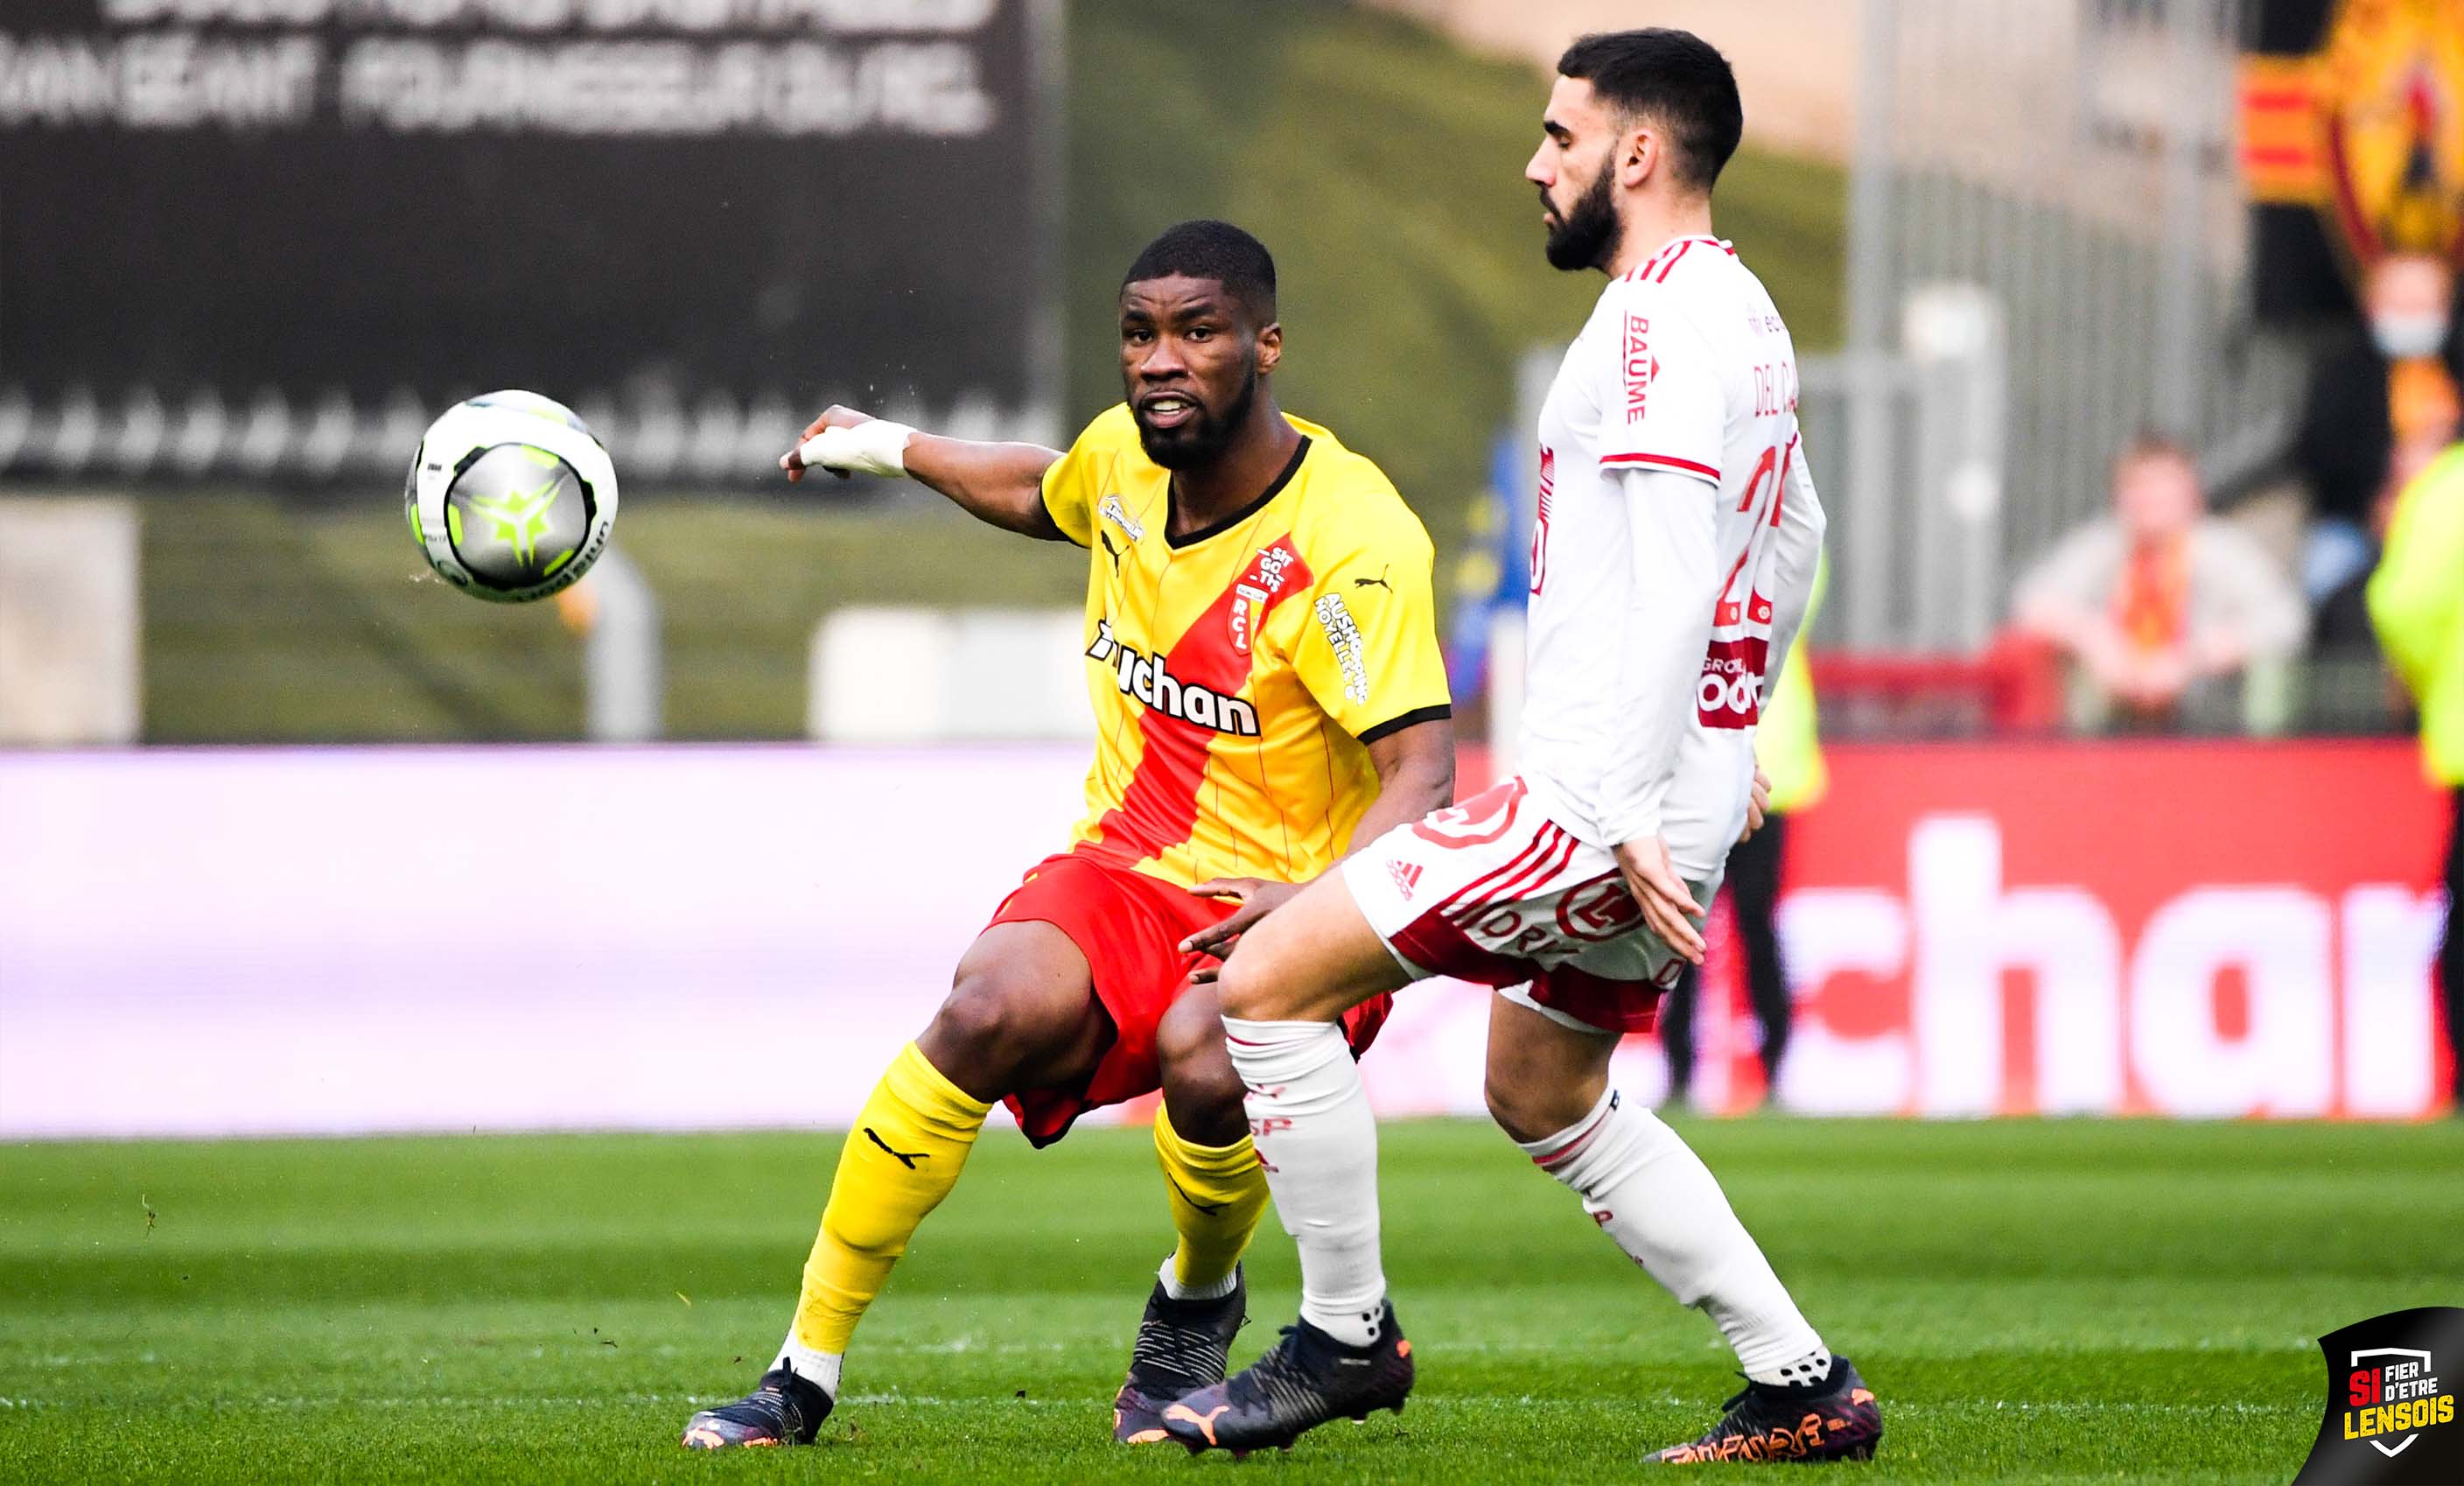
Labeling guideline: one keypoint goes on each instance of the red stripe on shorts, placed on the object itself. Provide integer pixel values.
(1561, 850)
(1515, 865)
(1437, 945)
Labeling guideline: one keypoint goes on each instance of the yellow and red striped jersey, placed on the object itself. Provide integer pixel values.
(1237, 672)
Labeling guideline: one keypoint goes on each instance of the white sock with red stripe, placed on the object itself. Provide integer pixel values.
(1647, 1189)
(1309, 1114)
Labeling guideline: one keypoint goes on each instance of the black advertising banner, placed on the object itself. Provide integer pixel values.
(272, 236)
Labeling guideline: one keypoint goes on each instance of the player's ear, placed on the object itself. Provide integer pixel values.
(1270, 347)
(1639, 154)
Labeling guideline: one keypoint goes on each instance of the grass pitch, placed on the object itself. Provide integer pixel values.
(2035, 1303)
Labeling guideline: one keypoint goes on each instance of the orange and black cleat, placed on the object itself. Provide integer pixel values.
(1182, 1347)
(785, 1409)
(1303, 1381)
(1835, 1419)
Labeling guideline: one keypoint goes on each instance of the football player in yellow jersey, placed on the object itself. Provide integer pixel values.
(1261, 647)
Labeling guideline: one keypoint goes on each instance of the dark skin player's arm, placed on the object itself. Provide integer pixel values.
(1000, 484)
(1415, 775)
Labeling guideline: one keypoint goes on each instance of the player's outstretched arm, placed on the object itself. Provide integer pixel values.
(1000, 484)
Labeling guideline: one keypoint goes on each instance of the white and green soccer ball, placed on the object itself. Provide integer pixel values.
(510, 496)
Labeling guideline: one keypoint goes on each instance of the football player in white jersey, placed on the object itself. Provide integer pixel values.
(1674, 546)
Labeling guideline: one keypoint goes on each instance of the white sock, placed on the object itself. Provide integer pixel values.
(1173, 1287)
(1310, 1116)
(821, 1368)
(1648, 1191)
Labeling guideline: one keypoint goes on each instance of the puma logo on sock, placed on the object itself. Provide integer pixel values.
(1209, 1207)
(904, 1159)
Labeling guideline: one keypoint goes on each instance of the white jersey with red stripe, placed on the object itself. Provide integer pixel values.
(1673, 552)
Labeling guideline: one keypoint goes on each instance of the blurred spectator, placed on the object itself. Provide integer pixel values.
(2391, 389)
(2340, 624)
(2418, 601)
(1790, 753)
(2160, 600)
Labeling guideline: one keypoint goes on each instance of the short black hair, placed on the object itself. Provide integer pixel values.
(1208, 249)
(1673, 77)
(2152, 442)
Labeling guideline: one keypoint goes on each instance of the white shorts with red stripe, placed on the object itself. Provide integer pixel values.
(1495, 891)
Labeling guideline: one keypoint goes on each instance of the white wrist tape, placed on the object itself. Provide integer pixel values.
(878, 447)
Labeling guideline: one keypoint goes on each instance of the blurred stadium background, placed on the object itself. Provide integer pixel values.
(295, 840)
(2009, 237)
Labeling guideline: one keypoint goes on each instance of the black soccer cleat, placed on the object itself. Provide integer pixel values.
(1182, 1347)
(1836, 1419)
(785, 1409)
(1304, 1381)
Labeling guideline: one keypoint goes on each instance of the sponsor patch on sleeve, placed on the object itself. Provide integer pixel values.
(1334, 618)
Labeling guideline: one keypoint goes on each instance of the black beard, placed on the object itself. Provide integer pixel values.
(1202, 440)
(1588, 236)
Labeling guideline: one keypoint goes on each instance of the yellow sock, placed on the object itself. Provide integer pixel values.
(1218, 1193)
(901, 1159)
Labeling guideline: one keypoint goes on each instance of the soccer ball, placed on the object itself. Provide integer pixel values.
(510, 496)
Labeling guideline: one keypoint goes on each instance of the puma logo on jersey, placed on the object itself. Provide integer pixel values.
(1144, 677)
(1379, 581)
(1114, 511)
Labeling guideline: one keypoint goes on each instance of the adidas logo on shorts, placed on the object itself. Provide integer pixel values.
(1406, 875)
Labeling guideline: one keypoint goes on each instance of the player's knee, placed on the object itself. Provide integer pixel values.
(1514, 1109)
(1530, 1108)
(1244, 986)
(1258, 983)
(989, 1027)
(1190, 1035)
(1201, 1089)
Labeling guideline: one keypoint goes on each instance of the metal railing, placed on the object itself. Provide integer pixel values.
(2043, 202)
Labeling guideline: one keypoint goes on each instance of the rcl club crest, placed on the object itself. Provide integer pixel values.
(1256, 591)
(2390, 1417)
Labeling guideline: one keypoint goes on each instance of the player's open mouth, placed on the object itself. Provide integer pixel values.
(1167, 412)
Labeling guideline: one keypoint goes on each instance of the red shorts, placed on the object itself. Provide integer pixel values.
(1129, 928)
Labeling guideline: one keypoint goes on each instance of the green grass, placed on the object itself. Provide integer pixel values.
(1380, 162)
(2035, 1303)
